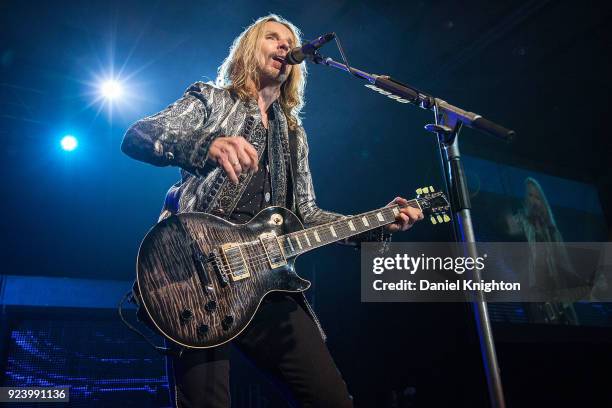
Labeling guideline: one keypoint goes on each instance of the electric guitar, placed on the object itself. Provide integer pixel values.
(201, 278)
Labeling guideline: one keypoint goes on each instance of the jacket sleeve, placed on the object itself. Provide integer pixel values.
(308, 210)
(177, 135)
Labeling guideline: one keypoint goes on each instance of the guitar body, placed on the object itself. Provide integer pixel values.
(199, 288)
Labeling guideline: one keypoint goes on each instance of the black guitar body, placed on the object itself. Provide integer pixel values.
(202, 278)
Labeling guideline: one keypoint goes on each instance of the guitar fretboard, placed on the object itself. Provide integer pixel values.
(297, 243)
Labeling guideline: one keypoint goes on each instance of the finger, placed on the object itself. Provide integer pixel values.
(244, 146)
(220, 156)
(414, 213)
(229, 170)
(393, 202)
(214, 152)
(408, 212)
(245, 160)
(393, 227)
(407, 222)
(232, 156)
(401, 201)
(400, 220)
(250, 150)
(238, 170)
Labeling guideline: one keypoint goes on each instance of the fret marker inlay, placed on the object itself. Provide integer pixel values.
(316, 235)
(298, 241)
(307, 239)
(290, 244)
(333, 231)
(351, 225)
(365, 221)
(380, 217)
(395, 211)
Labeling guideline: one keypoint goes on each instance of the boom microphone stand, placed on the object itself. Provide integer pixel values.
(448, 122)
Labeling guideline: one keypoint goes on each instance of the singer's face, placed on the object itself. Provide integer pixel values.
(534, 201)
(274, 45)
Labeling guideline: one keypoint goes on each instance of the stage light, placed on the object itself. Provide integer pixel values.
(113, 92)
(69, 143)
(111, 89)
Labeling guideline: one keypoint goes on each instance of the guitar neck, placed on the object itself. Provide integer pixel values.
(299, 242)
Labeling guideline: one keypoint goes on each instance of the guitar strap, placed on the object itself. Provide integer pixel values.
(291, 204)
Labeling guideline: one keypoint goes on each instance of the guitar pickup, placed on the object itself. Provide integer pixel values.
(274, 253)
(234, 260)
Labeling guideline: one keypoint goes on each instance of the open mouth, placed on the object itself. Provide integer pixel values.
(279, 59)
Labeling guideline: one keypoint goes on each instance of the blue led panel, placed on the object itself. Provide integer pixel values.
(103, 363)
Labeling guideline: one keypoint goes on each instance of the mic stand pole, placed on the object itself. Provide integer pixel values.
(448, 122)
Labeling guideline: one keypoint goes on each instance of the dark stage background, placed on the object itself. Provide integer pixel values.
(73, 220)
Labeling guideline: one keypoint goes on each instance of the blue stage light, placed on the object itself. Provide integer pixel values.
(69, 143)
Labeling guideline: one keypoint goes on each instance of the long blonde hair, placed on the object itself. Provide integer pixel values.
(241, 65)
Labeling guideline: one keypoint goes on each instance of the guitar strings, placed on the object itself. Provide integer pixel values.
(341, 225)
(234, 261)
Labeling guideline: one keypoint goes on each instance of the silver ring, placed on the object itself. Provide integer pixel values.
(235, 163)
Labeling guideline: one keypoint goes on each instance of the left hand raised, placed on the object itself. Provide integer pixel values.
(406, 217)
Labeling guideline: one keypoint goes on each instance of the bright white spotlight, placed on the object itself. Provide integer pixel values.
(111, 89)
(69, 143)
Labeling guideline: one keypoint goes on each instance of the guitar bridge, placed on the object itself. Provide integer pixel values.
(200, 261)
(219, 268)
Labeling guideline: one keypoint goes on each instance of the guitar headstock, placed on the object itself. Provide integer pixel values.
(434, 204)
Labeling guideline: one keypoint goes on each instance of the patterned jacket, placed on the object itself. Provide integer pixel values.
(181, 134)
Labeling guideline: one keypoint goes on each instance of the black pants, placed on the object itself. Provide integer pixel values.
(283, 341)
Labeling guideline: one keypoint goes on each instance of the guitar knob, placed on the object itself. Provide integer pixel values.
(227, 321)
(186, 315)
(203, 329)
(210, 306)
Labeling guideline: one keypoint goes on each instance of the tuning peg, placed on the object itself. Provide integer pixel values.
(426, 190)
(446, 218)
(419, 191)
(439, 218)
(431, 189)
(433, 220)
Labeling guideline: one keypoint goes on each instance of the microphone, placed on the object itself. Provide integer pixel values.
(299, 54)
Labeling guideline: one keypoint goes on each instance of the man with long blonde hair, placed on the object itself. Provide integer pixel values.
(241, 147)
